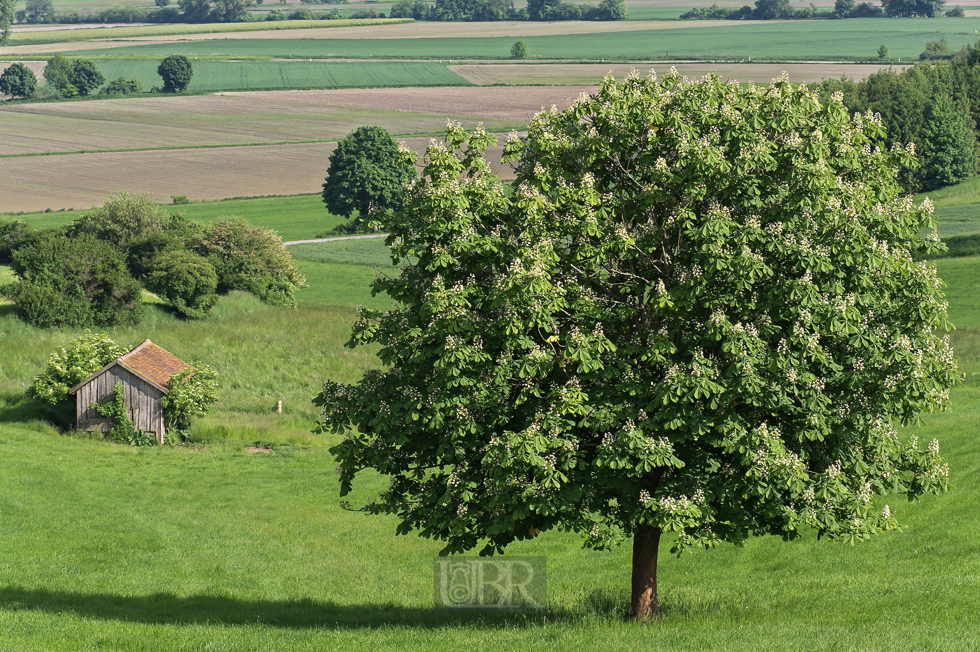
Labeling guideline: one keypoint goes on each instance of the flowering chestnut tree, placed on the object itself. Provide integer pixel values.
(702, 311)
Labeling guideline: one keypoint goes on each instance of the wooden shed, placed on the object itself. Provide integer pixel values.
(145, 374)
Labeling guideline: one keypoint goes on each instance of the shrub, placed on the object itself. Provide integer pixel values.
(12, 234)
(71, 365)
(123, 86)
(250, 258)
(68, 90)
(162, 3)
(956, 12)
(123, 430)
(85, 76)
(275, 14)
(179, 199)
(185, 280)
(192, 392)
(18, 81)
(301, 14)
(518, 50)
(176, 71)
(73, 282)
(121, 219)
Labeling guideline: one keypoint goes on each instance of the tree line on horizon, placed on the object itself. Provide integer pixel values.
(782, 10)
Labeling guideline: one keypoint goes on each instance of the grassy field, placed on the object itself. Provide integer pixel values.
(293, 218)
(212, 547)
(263, 75)
(793, 40)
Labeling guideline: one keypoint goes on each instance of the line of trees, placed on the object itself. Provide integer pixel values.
(70, 77)
(91, 272)
(934, 105)
(490, 10)
(781, 10)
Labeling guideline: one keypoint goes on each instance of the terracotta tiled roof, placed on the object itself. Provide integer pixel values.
(154, 363)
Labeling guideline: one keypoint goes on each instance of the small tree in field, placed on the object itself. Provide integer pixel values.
(882, 51)
(365, 172)
(176, 71)
(18, 80)
(518, 50)
(700, 312)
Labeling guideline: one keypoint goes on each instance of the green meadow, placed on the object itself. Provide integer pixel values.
(269, 75)
(213, 547)
(299, 217)
(852, 39)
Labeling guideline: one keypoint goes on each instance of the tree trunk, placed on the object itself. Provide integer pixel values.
(644, 603)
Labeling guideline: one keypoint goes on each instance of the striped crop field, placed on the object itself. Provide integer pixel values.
(839, 40)
(259, 75)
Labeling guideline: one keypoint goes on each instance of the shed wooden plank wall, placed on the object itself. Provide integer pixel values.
(142, 399)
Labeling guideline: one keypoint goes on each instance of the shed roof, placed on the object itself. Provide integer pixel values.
(150, 362)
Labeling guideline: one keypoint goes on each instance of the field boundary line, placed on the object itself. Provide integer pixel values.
(345, 237)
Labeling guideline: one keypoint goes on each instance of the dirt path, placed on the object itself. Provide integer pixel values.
(345, 237)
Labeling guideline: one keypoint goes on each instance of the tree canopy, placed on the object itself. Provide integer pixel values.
(700, 312)
(176, 71)
(948, 146)
(18, 81)
(7, 10)
(365, 173)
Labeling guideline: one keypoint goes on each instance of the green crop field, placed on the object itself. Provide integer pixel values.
(263, 75)
(852, 39)
(300, 217)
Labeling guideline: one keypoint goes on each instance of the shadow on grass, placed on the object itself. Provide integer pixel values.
(19, 407)
(167, 609)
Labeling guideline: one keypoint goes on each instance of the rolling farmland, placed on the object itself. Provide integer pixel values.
(854, 39)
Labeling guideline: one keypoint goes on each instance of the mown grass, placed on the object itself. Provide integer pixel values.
(297, 217)
(210, 547)
(853, 39)
(75, 35)
(267, 75)
(368, 251)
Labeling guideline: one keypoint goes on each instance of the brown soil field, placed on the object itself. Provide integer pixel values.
(501, 103)
(259, 117)
(83, 180)
(263, 117)
(576, 74)
(454, 30)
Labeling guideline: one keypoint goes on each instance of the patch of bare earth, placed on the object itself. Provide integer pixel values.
(578, 74)
(258, 449)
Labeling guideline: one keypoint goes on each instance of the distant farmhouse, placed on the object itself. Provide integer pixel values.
(145, 374)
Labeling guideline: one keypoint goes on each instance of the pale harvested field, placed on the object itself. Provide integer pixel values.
(500, 103)
(82, 180)
(264, 117)
(580, 74)
(260, 117)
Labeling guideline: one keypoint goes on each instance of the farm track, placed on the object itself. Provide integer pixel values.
(344, 237)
